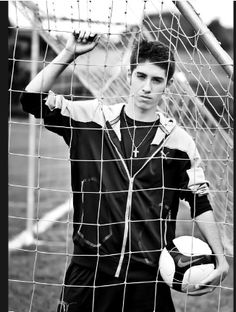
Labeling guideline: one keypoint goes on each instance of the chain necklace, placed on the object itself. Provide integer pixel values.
(135, 151)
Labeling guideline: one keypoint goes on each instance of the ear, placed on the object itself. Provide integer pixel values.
(129, 76)
(169, 83)
(167, 86)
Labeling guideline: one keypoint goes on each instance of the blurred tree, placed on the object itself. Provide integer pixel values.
(17, 74)
(223, 35)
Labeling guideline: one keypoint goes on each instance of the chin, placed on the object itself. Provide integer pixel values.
(145, 105)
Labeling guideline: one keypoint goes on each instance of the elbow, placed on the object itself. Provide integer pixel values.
(32, 103)
(23, 101)
(27, 101)
(28, 88)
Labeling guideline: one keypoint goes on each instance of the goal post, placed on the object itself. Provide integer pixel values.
(32, 140)
(206, 35)
(200, 99)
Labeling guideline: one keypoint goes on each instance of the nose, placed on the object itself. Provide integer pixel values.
(147, 86)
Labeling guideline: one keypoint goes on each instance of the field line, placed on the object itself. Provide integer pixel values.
(26, 237)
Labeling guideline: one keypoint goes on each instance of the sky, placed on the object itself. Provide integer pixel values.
(210, 9)
(101, 9)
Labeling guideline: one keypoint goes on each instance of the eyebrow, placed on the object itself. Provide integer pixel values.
(154, 77)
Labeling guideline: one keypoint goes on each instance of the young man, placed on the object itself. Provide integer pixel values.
(130, 165)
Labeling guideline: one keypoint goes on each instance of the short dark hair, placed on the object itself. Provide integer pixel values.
(156, 52)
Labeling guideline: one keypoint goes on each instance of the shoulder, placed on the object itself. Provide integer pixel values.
(85, 111)
(181, 140)
(77, 110)
(112, 112)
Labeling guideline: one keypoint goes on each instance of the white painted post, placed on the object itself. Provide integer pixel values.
(32, 140)
(210, 41)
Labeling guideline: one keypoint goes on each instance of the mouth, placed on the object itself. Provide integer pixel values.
(145, 97)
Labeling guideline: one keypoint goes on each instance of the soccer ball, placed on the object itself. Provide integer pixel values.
(186, 264)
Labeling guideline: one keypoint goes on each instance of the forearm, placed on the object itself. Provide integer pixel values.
(209, 230)
(77, 44)
(44, 80)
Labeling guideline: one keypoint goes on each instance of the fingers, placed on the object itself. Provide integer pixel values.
(201, 292)
(92, 37)
(211, 280)
(210, 283)
(86, 37)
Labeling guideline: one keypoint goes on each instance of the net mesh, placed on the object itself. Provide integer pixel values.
(200, 98)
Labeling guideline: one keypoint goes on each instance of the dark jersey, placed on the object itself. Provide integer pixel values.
(136, 135)
(123, 219)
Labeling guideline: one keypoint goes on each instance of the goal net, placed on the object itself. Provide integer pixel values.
(200, 99)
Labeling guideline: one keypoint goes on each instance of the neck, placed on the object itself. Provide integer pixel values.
(136, 113)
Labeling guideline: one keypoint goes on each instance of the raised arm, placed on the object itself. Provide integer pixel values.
(77, 44)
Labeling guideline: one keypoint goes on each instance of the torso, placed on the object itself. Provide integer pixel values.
(136, 134)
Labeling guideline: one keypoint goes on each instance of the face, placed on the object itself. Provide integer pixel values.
(148, 82)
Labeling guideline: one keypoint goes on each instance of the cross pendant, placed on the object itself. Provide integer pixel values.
(135, 152)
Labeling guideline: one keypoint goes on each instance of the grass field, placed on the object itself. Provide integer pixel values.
(36, 271)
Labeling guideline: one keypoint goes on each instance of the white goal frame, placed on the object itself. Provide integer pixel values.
(209, 40)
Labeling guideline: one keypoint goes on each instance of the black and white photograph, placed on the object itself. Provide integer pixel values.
(120, 156)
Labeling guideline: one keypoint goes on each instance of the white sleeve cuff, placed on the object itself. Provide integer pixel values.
(197, 181)
(54, 101)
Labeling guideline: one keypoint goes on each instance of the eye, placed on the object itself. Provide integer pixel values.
(140, 76)
(157, 80)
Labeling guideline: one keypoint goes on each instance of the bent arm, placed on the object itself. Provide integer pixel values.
(45, 79)
(195, 190)
(209, 229)
(77, 44)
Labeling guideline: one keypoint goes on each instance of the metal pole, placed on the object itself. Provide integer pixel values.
(206, 36)
(32, 139)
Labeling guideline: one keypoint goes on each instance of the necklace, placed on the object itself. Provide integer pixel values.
(135, 151)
